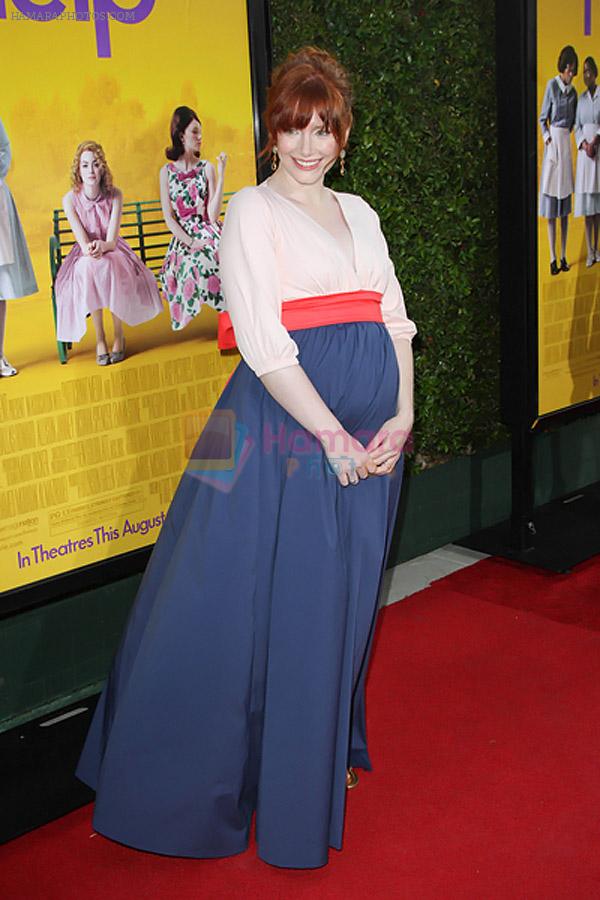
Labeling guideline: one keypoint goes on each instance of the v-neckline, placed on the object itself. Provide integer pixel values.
(352, 263)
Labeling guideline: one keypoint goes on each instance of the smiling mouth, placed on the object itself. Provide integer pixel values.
(307, 164)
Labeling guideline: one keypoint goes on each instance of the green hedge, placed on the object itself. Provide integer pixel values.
(423, 153)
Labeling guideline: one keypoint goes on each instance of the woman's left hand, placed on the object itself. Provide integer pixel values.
(97, 249)
(221, 163)
(386, 446)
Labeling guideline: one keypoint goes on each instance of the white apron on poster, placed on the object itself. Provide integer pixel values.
(7, 253)
(557, 167)
(587, 178)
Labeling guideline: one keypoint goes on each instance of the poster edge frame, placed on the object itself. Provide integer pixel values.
(95, 575)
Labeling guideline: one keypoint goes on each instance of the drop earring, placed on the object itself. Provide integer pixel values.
(342, 161)
(274, 159)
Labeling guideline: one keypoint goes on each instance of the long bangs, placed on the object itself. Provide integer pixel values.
(305, 94)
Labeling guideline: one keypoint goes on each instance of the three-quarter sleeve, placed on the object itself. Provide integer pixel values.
(546, 110)
(393, 308)
(573, 111)
(250, 280)
(4, 152)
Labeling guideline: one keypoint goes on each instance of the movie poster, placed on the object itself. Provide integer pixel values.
(91, 453)
(568, 130)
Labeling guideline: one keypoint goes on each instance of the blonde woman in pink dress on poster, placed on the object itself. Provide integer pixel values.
(101, 271)
(191, 195)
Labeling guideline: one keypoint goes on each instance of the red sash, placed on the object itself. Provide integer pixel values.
(310, 312)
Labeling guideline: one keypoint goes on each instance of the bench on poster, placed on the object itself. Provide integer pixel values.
(142, 226)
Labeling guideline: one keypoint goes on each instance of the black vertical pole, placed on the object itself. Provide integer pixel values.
(522, 528)
(259, 31)
(517, 221)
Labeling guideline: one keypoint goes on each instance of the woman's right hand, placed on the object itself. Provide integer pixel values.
(197, 244)
(348, 458)
(221, 163)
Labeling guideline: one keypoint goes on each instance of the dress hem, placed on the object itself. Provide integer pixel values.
(213, 853)
(36, 290)
(184, 854)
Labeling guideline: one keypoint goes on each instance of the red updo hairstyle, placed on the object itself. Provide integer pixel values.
(308, 81)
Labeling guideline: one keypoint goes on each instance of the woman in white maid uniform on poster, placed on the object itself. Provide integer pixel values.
(16, 272)
(587, 177)
(557, 119)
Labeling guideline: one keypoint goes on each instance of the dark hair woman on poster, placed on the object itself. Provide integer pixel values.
(16, 272)
(557, 118)
(191, 196)
(239, 684)
(587, 176)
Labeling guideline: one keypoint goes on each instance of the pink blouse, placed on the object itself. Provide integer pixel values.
(272, 252)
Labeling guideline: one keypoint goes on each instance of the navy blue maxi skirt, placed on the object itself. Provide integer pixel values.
(239, 682)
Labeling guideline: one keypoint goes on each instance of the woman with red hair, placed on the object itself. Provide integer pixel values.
(239, 684)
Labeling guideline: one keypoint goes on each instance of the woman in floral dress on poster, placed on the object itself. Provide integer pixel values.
(191, 196)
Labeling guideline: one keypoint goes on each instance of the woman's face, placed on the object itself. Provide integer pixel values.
(306, 154)
(192, 137)
(568, 73)
(589, 79)
(90, 169)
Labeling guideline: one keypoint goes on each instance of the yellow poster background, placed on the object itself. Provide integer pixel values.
(568, 303)
(90, 457)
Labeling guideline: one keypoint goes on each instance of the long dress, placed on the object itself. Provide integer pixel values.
(557, 118)
(239, 682)
(17, 278)
(118, 281)
(190, 278)
(587, 175)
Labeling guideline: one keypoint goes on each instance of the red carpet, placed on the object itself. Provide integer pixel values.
(484, 727)
(573, 599)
